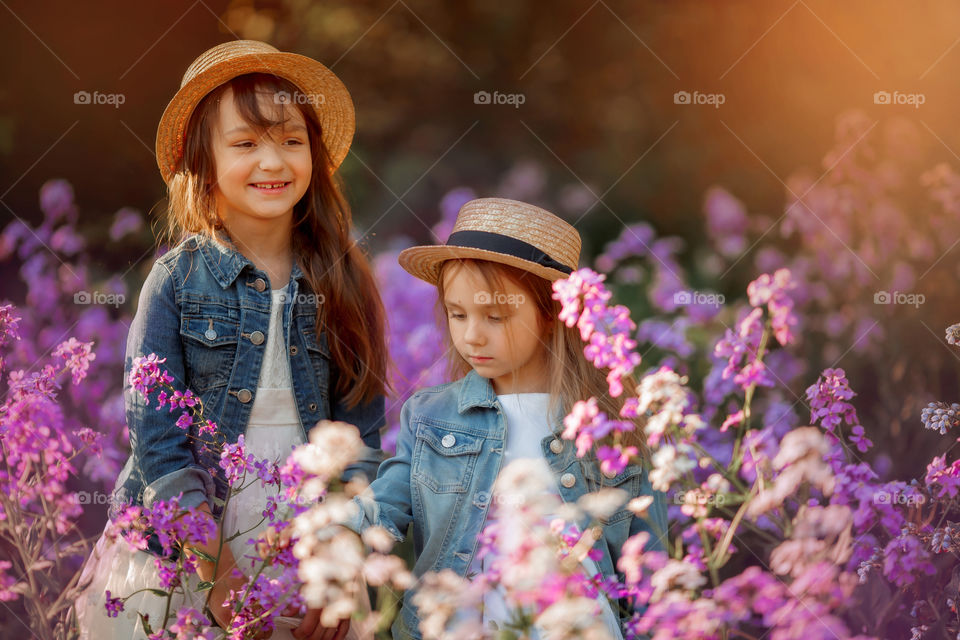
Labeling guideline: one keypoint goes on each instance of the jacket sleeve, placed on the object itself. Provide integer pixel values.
(387, 502)
(655, 523)
(161, 451)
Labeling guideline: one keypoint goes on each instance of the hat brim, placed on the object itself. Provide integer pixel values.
(331, 102)
(425, 262)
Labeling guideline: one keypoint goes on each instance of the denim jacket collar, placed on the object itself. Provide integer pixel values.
(475, 391)
(226, 263)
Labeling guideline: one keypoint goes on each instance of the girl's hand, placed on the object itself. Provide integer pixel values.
(310, 628)
(222, 615)
(272, 539)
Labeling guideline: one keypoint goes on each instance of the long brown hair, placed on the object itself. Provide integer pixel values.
(332, 263)
(571, 376)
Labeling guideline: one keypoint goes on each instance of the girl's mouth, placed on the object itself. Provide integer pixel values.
(270, 187)
(480, 359)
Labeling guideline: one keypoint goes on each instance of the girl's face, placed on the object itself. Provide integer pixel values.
(498, 332)
(259, 178)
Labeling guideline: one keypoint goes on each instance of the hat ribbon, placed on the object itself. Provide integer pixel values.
(499, 243)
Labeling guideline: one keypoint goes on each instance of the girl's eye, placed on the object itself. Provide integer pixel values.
(244, 145)
(457, 316)
(496, 318)
(295, 141)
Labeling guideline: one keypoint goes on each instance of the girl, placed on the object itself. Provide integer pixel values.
(266, 309)
(520, 370)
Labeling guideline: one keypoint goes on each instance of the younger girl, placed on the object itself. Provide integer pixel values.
(266, 309)
(520, 371)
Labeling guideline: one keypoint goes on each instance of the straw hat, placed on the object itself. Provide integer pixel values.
(324, 91)
(505, 231)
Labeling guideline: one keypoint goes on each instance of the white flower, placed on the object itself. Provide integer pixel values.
(573, 618)
(333, 446)
(669, 464)
(602, 504)
(676, 574)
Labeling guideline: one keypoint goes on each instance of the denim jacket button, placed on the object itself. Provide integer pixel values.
(448, 440)
(293, 350)
(210, 334)
(312, 406)
(556, 446)
(259, 284)
(610, 473)
(244, 395)
(568, 480)
(256, 337)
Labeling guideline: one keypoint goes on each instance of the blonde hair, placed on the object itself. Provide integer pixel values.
(571, 377)
(332, 263)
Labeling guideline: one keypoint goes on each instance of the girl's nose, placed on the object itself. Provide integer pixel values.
(270, 159)
(474, 333)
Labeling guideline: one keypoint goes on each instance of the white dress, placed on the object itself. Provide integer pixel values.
(528, 423)
(272, 432)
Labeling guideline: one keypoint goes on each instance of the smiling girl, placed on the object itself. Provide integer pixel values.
(265, 308)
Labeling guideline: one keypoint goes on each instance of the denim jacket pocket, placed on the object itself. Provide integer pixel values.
(210, 333)
(444, 458)
(628, 481)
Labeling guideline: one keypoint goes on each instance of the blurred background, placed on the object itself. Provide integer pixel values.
(746, 136)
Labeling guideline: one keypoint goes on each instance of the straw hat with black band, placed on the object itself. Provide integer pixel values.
(504, 231)
(320, 87)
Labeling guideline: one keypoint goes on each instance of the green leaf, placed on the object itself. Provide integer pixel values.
(159, 592)
(204, 586)
(203, 555)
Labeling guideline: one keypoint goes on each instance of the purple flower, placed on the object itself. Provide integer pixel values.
(614, 460)
(113, 605)
(146, 374)
(905, 559)
(78, 357)
(945, 478)
(234, 460)
(125, 221)
(774, 291)
(185, 420)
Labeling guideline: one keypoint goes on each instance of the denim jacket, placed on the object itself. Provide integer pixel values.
(449, 453)
(206, 309)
